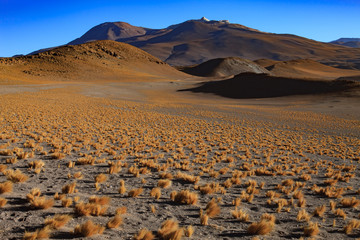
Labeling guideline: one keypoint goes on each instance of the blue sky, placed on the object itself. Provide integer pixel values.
(26, 26)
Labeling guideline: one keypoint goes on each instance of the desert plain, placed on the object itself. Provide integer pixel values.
(117, 147)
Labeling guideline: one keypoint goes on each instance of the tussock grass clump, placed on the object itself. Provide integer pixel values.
(319, 211)
(204, 219)
(166, 175)
(187, 178)
(43, 233)
(36, 164)
(41, 202)
(114, 222)
(100, 178)
(170, 230)
(6, 187)
(189, 231)
(241, 215)
(57, 155)
(264, 226)
(87, 209)
(35, 192)
(121, 210)
(69, 188)
(122, 188)
(88, 229)
(212, 209)
(144, 234)
(339, 212)
(16, 176)
(58, 221)
(350, 202)
(135, 192)
(100, 200)
(164, 183)
(303, 216)
(2, 168)
(155, 192)
(186, 197)
(66, 202)
(3, 202)
(351, 225)
(312, 229)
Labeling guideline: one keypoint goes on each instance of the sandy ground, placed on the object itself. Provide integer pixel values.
(150, 128)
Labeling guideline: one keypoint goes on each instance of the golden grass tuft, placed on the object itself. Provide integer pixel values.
(189, 231)
(43, 233)
(312, 229)
(164, 183)
(212, 209)
(186, 197)
(135, 192)
(204, 219)
(16, 176)
(2, 168)
(87, 209)
(122, 188)
(41, 202)
(35, 192)
(241, 215)
(114, 222)
(100, 178)
(121, 210)
(264, 226)
(3, 202)
(351, 225)
(69, 188)
(144, 234)
(350, 202)
(66, 202)
(155, 192)
(170, 230)
(319, 211)
(303, 216)
(6, 187)
(58, 221)
(88, 229)
(100, 200)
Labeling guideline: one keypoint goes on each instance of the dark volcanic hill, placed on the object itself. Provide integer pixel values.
(196, 41)
(349, 42)
(222, 67)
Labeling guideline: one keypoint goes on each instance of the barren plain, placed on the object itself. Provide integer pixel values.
(132, 157)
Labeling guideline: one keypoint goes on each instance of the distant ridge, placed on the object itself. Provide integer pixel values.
(349, 42)
(196, 41)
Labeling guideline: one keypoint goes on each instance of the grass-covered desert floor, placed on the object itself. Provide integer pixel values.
(77, 161)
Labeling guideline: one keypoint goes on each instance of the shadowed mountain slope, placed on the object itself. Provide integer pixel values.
(196, 41)
(251, 85)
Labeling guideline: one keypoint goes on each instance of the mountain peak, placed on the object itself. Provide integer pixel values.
(206, 20)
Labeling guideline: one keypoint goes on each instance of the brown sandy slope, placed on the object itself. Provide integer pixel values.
(305, 68)
(222, 67)
(93, 61)
(196, 41)
(251, 85)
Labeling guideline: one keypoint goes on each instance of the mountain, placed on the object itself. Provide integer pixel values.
(90, 62)
(222, 67)
(196, 41)
(349, 42)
